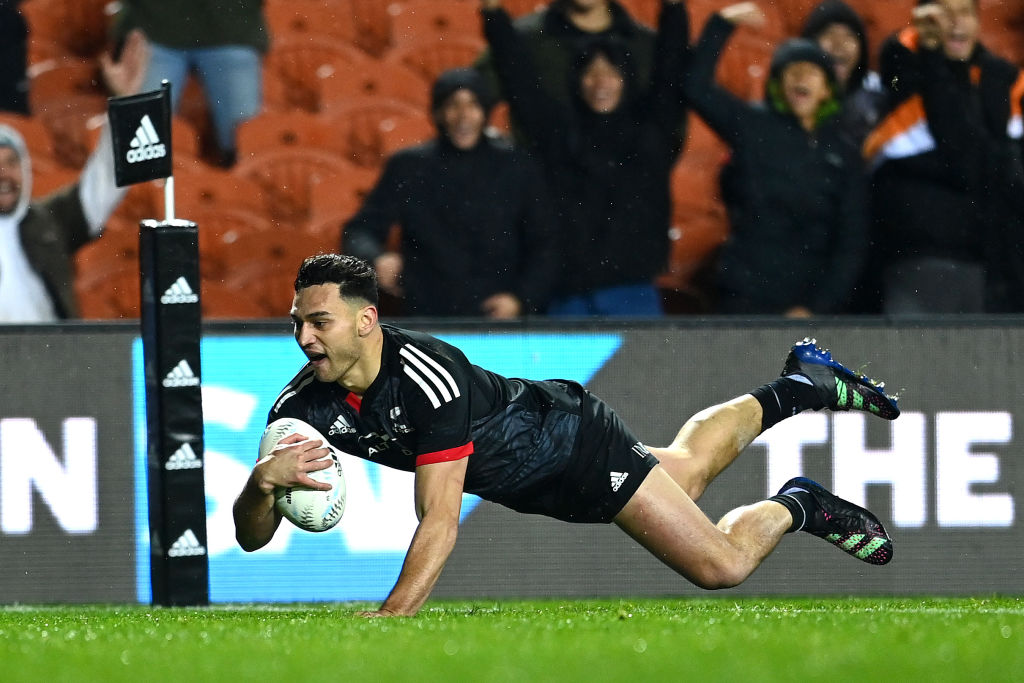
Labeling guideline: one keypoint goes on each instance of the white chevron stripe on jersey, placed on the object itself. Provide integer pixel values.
(297, 385)
(434, 364)
(424, 385)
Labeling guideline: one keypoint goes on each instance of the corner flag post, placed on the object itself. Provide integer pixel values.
(170, 320)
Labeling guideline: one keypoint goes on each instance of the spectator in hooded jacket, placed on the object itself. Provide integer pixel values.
(476, 227)
(38, 239)
(608, 155)
(947, 189)
(794, 187)
(840, 32)
(556, 33)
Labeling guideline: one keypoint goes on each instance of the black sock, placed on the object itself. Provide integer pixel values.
(798, 502)
(785, 397)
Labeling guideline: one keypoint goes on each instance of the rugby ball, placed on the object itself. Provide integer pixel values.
(304, 507)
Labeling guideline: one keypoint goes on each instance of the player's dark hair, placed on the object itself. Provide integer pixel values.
(355, 277)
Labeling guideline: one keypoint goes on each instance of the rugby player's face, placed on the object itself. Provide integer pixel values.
(10, 180)
(327, 330)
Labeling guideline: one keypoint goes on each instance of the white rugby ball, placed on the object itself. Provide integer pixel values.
(304, 507)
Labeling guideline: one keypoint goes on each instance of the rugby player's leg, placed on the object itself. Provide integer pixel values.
(708, 442)
(663, 519)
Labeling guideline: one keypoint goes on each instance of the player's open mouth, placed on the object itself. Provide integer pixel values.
(316, 357)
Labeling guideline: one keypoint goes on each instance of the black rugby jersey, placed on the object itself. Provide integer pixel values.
(429, 404)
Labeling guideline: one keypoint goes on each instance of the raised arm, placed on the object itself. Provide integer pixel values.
(365, 234)
(671, 60)
(438, 504)
(543, 120)
(719, 108)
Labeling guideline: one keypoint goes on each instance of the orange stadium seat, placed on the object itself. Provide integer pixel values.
(58, 78)
(435, 19)
(384, 79)
(35, 134)
(222, 232)
(109, 294)
(288, 176)
(73, 121)
(340, 196)
(373, 24)
(223, 301)
(406, 132)
(272, 129)
(305, 17)
(204, 188)
(430, 57)
(80, 26)
(362, 123)
(518, 8)
(297, 66)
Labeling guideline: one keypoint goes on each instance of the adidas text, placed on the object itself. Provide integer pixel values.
(146, 144)
(179, 293)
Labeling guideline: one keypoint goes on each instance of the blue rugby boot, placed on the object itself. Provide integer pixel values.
(839, 387)
(849, 527)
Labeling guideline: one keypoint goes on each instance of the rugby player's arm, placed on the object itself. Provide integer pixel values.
(438, 504)
(256, 518)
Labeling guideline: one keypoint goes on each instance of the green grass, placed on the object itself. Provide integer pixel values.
(720, 639)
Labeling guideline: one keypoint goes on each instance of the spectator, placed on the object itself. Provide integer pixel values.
(13, 57)
(223, 43)
(38, 239)
(947, 191)
(608, 156)
(476, 228)
(794, 187)
(554, 35)
(840, 31)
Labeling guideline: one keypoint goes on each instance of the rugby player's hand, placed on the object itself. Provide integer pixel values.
(389, 272)
(291, 462)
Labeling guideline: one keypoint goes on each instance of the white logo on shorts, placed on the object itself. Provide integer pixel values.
(617, 479)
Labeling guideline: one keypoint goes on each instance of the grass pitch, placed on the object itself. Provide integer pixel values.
(719, 639)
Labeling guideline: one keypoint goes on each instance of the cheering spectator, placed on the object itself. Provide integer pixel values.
(554, 35)
(840, 31)
(607, 156)
(476, 228)
(947, 189)
(794, 187)
(38, 240)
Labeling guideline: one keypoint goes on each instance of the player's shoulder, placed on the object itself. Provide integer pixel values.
(412, 343)
(295, 394)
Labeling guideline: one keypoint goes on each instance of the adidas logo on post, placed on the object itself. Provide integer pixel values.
(184, 459)
(617, 479)
(187, 546)
(181, 375)
(146, 144)
(179, 293)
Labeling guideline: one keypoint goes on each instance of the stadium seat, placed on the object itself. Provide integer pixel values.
(35, 134)
(310, 17)
(205, 188)
(439, 20)
(80, 26)
(288, 176)
(518, 8)
(222, 301)
(429, 57)
(58, 78)
(222, 233)
(404, 133)
(49, 176)
(297, 65)
(362, 123)
(385, 79)
(373, 25)
(73, 122)
(272, 129)
(340, 196)
(109, 294)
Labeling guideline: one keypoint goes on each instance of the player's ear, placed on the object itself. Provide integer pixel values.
(367, 319)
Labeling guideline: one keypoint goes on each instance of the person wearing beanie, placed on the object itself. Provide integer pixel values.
(794, 185)
(947, 183)
(556, 33)
(840, 32)
(608, 149)
(476, 228)
(38, 239)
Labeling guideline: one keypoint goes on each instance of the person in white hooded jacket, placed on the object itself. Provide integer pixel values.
(38, 239)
